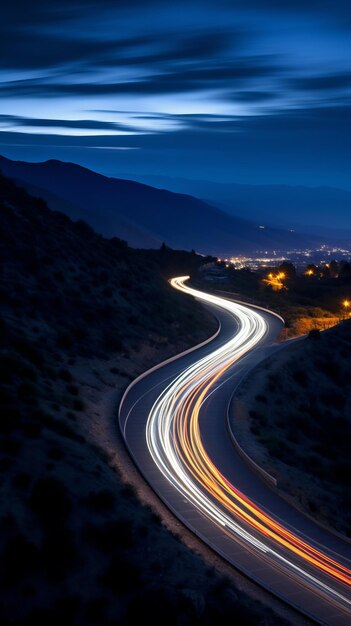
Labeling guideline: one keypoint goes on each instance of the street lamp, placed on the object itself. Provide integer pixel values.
(346, 304)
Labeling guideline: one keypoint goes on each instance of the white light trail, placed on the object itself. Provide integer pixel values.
(175, 444)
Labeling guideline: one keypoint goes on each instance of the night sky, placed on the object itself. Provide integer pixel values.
(250, 91)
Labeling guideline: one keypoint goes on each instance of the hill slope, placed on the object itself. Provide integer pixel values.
(80, 315)
(305, 441)
(146, 216)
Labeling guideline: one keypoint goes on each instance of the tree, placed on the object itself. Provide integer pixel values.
(334, 269)
(344, 269)
(288, 269)
(312, 270)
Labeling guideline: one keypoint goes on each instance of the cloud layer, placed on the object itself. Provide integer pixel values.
(156, 76)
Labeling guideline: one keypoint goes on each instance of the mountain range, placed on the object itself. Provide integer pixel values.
(322, 210)
(146, 216)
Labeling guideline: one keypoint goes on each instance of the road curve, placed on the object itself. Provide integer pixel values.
(173, 422)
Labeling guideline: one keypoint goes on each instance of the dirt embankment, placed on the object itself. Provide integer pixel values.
(293, 418)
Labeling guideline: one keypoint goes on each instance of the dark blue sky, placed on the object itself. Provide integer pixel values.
(250, 91)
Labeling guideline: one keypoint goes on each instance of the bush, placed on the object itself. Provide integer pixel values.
(261, 398)
(145, 602)
(65, 375)
(301, 377)
(10, 446)
(65, 340)
(78, 404)
(101, 501)
(5, 464)
(51, 502)
(20, 557)
(116, 535)
(55, 453)
(21, 481)
(314, 334)
(61, 427)
(58, 552)
(29, 350)
(125, 583)
(73, 390)
(83, 228)
(12, 366)
(31, 429)
(95, 609)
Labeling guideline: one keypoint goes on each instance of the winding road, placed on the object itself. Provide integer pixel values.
(173, 420)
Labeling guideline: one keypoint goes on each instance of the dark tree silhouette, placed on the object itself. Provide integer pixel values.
(288, 268)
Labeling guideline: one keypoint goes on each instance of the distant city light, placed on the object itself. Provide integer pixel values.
(260, 259)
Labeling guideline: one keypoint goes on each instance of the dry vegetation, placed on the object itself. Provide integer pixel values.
(77, 547)
(299, 408)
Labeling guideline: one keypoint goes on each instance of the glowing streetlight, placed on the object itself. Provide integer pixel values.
(346, 305)
(275, 281)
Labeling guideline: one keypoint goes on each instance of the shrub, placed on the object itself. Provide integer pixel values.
(261, 398)
(65, 340)
(55, 453)
(65, 375)
(63, 429)
(58, 552)
(101, 501)
(301, 377)
(95, 610)
(21, 480)
(5, 464)
(121, 584)
(10, 446)
(78, 404)
(20, 557)
(83, 228)
(116, 535)
(314, 334)
(29, 350)
(51, 502)
(73, 389)
(31, 429)
(12, 365)
(145, 602)
(27, 392)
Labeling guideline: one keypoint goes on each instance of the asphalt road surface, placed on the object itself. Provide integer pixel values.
(173, 420)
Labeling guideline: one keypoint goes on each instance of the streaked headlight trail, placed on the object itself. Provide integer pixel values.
(174, 441)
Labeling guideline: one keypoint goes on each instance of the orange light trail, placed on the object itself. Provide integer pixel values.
(175, 443)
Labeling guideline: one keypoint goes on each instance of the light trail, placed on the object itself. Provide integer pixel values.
(175, 444)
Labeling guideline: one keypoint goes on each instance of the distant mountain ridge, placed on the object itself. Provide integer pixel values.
(143, 215)
(323, 209)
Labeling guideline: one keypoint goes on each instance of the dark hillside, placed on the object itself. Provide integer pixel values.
(300, 415)
(85, 293)
(146, 216)
(80, 316)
